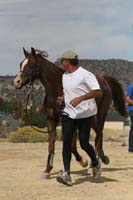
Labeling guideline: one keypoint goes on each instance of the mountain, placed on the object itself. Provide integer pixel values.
(122, 70)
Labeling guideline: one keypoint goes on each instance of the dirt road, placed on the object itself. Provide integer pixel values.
(21, 167)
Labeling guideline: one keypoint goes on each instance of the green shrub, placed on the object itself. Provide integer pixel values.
(5, 106)
(27, 134)
(36, 118)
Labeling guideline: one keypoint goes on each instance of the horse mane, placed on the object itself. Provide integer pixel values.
(42, 53)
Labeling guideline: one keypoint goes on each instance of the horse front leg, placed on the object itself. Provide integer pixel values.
(51, 124)
(83, 162)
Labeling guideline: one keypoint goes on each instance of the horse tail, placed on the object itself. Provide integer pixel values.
(118, 95)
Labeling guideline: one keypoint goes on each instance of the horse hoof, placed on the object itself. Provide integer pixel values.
(106, 160)
(84, 163)
(46, 175)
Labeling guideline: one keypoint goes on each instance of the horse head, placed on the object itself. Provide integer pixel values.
(29, 69)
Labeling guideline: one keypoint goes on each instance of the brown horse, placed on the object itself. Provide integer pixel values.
(36, 66)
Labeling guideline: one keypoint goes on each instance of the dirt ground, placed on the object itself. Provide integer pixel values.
(21, 177)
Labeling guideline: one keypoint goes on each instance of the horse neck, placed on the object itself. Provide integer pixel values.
(51, 77)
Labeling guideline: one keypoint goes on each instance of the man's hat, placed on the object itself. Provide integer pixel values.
(69, 55)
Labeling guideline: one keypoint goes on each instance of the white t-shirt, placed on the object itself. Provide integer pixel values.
(77, 84)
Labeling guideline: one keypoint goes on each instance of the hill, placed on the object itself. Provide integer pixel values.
(122, 70)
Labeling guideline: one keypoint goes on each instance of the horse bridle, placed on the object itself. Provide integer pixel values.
(33, 73)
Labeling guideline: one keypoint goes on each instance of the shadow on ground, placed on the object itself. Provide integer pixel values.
(102, 179)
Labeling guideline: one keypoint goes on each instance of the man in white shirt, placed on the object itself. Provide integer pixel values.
(80, 89)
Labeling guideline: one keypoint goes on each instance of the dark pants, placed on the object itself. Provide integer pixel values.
(68, 128)
(131, 132)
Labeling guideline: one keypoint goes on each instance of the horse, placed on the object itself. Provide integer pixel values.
(36, 66)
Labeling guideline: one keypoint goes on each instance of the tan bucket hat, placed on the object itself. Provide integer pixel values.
(69, 55)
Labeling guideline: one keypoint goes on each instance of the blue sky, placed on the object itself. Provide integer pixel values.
(93, 28)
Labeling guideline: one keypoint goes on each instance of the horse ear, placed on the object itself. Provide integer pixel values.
(33, 51)
(25, 52)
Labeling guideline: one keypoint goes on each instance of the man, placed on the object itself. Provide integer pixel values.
(80, 89)
(129, 100)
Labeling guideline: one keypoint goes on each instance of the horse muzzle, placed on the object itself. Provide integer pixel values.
(19, 82)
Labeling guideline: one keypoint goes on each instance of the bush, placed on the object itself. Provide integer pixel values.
(5, 106)
(27, 134)
(38, 118)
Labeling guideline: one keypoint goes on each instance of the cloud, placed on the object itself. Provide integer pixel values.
(95, 29)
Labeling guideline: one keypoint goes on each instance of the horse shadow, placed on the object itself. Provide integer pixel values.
(90, 179)
(86, 176)
(114, 169)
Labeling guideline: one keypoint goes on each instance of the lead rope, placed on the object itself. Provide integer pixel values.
(28, 103)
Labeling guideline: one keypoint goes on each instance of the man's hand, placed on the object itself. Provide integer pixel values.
(76, 101)
(92, 94)
(60, 100)
(129, 100)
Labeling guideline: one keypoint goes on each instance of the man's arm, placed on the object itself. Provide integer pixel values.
(92, 94)
(129, 100)
(129, 94)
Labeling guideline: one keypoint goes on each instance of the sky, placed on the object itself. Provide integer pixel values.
(95, 29)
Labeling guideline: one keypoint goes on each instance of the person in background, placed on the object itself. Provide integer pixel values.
(129, 100)
(80, 89)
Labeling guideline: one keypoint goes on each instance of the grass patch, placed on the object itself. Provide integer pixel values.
(27, 134)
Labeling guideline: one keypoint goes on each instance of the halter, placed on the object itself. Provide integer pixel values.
(33, 73)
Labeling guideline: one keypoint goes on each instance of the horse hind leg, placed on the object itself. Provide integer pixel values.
(99, 149)
(83, 162)
(99, 144)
